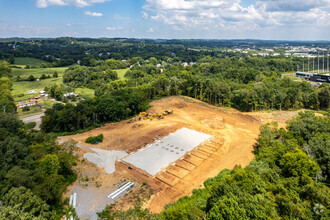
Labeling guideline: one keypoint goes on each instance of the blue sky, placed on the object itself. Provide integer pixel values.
(210, 19)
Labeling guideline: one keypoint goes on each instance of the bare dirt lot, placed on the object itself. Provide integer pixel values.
(233, 136)
(281, 117)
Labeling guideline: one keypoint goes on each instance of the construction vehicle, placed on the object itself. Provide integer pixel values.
(151, 116)
(167, 112)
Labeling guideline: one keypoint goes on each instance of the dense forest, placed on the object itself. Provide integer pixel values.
(66, 51)
(35, 169)
(287, 180)
(35, 172)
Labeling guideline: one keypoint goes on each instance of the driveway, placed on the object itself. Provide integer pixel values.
(34, 118)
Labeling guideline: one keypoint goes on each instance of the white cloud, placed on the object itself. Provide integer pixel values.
(94, 14)
(231, 15)
(145, 15)
(114, 28)
(150, 30)
(77, 3)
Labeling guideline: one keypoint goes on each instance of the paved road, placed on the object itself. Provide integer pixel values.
(34, 118)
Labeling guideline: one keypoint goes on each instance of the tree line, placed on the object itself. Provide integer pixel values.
(248, 84)
(6, 99)
(118, 106)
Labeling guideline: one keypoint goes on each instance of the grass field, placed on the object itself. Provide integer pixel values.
(121, 73)
(46, 104)
(33, 110)
(37, 73)
(85, 92)
(20, 89)
(28, 61)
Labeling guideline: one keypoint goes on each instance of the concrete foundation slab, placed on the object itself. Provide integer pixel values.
(160, 154)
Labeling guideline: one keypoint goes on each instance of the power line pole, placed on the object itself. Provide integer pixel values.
(313, 63)
(318, 63)
(323, 62)
(327, 61)
(303, 66)
(308, 63)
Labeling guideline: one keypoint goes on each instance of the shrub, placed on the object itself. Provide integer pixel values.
(65, 100)
(31, 78)
(94, 139)
(30, 125)
(26, 109)
(43, 76)
(73, 98)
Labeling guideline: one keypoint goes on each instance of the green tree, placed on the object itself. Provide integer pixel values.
(5, 70)
(65, 100)
(73, 98)
(297, 163)
(24, 201)
(58, 94)
(43, 76)
(26, 109)
(50, 164)
(31, 78)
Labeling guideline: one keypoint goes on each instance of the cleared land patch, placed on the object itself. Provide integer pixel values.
(104, 158)
(233, 136)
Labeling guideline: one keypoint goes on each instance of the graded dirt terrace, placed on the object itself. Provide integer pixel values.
(233, 136)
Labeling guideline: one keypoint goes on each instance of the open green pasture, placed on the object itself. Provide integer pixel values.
(37, 72)
(85, 92)
(33, 110)
(121, 73)
(28, 61)
(19, 89)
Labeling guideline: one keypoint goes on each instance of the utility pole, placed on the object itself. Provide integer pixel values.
(323, 62)
(308, 63)
(313, 63)
(318, 63)
(328, 61)
(303, 66)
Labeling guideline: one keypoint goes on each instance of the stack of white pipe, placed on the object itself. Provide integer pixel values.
(116, 193)
(73, 202)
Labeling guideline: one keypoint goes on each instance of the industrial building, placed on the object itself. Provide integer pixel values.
(313, 77)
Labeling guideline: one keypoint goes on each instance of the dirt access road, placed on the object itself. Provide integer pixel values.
(34, 118)
(233, 137)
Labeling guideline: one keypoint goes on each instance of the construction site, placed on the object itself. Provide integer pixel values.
(172, 148)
